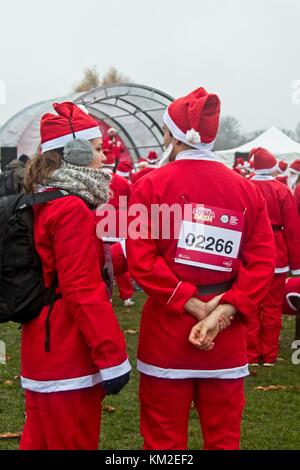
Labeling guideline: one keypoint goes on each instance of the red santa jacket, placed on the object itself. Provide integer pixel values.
(144, 171)
(116, 214)
(114, 146)
(164, 349)
(87, 345)
(284, 219)
(297, 197)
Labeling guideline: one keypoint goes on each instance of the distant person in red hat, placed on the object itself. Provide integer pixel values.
(73, 353)
(152, 161)
(294, 175)
(113, 143)
(212, 269)
(124, 169)
(282, 175)
(264, 328)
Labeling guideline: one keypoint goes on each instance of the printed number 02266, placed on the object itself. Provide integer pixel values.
(209, 243)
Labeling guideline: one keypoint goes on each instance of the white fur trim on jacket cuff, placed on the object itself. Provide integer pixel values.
(114, 372)
(295, 272)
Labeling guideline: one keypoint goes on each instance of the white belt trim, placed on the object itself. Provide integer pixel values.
(235, 373)
(282, 270)
(78, 383)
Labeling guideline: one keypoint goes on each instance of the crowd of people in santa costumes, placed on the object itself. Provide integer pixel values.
(73, 353)
(203, 283)
(263, 329)
(215, 284)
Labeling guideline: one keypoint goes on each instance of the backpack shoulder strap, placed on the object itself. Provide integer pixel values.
(30, 200)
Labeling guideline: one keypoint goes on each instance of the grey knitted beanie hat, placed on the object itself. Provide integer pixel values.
(78, 152)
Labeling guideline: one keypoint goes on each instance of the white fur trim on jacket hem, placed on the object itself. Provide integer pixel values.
(60, 142)
(282, 270)
(78, 383)
(235, 373)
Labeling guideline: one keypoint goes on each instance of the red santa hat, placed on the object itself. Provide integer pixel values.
(124, 169)
(240, 161)
(110, 158)
(69, 123)
(152, 157)
(111, 130)
(194, 119)
(264, 162)
(282, 166)
(295, 167)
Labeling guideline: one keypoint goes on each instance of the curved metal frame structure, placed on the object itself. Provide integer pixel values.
(125, 98)
(136, 111)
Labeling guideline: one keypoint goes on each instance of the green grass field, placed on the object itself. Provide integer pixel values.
(271, 418)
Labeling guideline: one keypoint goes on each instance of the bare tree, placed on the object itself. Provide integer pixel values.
(113, 76)
(288, 132)
(229, 135)
(91, 79)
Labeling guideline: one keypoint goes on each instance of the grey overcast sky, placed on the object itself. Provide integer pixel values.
(247, 51)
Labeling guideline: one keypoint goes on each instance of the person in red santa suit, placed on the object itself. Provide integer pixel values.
(73, 353)
(152, 163)
(215, 265)
(111, 142)
(294, 175)
(120, 189)
(264, 328)
(294, 181)
(125, 169)
(282, 175)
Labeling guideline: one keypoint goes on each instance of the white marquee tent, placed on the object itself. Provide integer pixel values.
(273, 139)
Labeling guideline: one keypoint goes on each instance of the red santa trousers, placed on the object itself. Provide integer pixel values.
(264, 326)
(125, 286)
(63, 420)
(165, 409)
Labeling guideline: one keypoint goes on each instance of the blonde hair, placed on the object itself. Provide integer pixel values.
(40, 167)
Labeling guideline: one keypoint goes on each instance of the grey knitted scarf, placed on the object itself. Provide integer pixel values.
(88, 183)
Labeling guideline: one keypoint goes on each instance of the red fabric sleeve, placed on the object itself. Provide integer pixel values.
(257, 265)
(72, 227)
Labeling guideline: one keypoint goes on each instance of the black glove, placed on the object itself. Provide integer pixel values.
(114, 386)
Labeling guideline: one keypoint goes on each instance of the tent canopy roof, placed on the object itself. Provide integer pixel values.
(273, 140)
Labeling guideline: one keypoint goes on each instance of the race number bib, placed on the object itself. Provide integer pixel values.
(211, 238)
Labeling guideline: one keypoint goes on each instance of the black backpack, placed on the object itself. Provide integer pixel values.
(22, 292)
(7, 183)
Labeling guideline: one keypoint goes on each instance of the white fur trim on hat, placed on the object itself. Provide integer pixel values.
(122, 173)
(192, 135)
(267, 171)
(87, 134)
